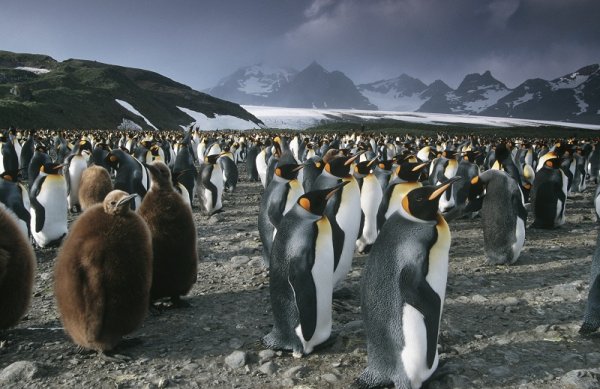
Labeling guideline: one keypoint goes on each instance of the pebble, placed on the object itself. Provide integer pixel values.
(268, 368)
(581, 379)
(296, 371)
(236, 359)
(330, 377)
(510, 301)
(266, 355)
(239, 260)
(20, 371)
(478, 298)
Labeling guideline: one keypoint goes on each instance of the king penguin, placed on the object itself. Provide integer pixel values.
(132, 176)
(549, 194)
(301, 276)
(343, 212)
(371, 194)
(209, 185)
(503, 215)
(403, 288)
(175, 259)
(76, 165)
(49, 209)
(103, 273)
(17, 268)
(277, 199)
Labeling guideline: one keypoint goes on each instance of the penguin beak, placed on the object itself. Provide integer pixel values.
(333, 190)
(298, 168)
(420, 166)
(126, 200)
(371, 162)
(443, 187)
(353, 158)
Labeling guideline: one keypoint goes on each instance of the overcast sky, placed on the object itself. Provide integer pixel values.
(197, 42)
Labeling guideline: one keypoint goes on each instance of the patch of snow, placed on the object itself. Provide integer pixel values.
(571, 81)
(523, 99)
(33, 70)
(489, 98)
(583, 106)
(394, 101)
(219, 122)
(129, 125)
(134, 111)
(301, 118)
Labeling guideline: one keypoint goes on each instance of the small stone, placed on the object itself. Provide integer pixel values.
(330, 377)
(266, 355)
(268, 368)
(239, 260)
(20, 371)
(510, 301)
(478, 298)
(236, 359)
(287, 382)
(296, 371)
(581, 379)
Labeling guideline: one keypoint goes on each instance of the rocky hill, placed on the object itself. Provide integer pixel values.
(38, 91)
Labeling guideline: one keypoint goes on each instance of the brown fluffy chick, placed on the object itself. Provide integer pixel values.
(103, 274)
(17, 268)
(173, 231)
(95, 184)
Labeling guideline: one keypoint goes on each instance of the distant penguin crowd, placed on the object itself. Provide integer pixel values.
(119, 207)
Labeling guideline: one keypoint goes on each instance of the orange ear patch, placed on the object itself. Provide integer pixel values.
(328, 167)
(304, 203)
(114, 158)
(549, 163)
(382, 166)
(278, 172)
(474, 180)
(318, 165)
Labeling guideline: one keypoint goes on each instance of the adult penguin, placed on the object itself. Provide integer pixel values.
(503, 215)
(278, 151)
(175, 259)
(277, 199)
(591, 318)
(443, 169)
(371, 194)
(76, 165)
(261, 164)
(383, 172)
(40, 158)
(17, 268)
(49, 209)
(209, 185)
(183, 169)
(99, 154)
(103, 273)
(253, 152)
(343, 212)
(27, 152)
(9, 160)
(312, 169)
(14, 199)
(301, 276)
(229, 168)
(132, 176)
(402, 292)
(467, 169)
(549, 194)
(94, 185)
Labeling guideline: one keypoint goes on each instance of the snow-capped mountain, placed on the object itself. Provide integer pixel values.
(475, 93)
(252, 84)
(397, 94)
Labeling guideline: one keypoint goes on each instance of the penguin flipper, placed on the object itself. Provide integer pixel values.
(418, 293)
(305, 292)
(40, 212)
(338, 237)
(383, 207)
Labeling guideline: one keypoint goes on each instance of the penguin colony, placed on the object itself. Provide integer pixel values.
(324, 198)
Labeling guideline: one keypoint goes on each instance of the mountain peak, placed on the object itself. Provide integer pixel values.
(315, 66)
(476, 81)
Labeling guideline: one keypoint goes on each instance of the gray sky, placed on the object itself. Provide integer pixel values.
(199, 42)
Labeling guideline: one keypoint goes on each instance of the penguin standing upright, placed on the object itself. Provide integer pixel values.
(253, 152)
(343, 212)
(312, 169)
(76, 165)
(132, 176)
(17, 268)
(230, 170)
(184, 170)
(40, 158)
(301, 276)
(9, 160)
(209, 185)
(403, 288)
(94, 185)
(15, 201)
(175, 260)
(503, 215)
(277, 199)
(27, 151)
(371, 194)
(49, 209)
(549, 194)
(103, 273)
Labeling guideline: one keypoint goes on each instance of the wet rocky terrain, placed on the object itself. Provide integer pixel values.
(502, 326)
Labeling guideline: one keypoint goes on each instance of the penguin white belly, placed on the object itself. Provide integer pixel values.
(597, 206)
(25, 196)
(53, 198)
(293, 195)
(447, 204)
(438, 261)
(560, 206)
(520, 235)
(76, 168)
(414, 353)
(184, 194)
(348, 218)
(370, 198)
(322, 273)
(217, 180)
(261, 168)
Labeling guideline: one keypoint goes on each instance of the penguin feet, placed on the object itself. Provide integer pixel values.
(271, 341)
(177, 302)
(587, 329)
(369, 379)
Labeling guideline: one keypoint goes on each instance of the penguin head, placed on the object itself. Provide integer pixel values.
(365, 167)
(340, 165)
(288, 171)
(315, 201)
(117, 202)
(212, 159)
(161, 175)
(422, 203)
(11, 176)
(84, 144)
(410, 171)
(553, 161)
(385, 165)
(51, 168)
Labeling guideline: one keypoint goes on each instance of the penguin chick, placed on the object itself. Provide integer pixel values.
(17, 268)
(94, 185)
(103, 274)
(173, 233)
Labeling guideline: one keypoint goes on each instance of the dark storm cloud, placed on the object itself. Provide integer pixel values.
(198, 42)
